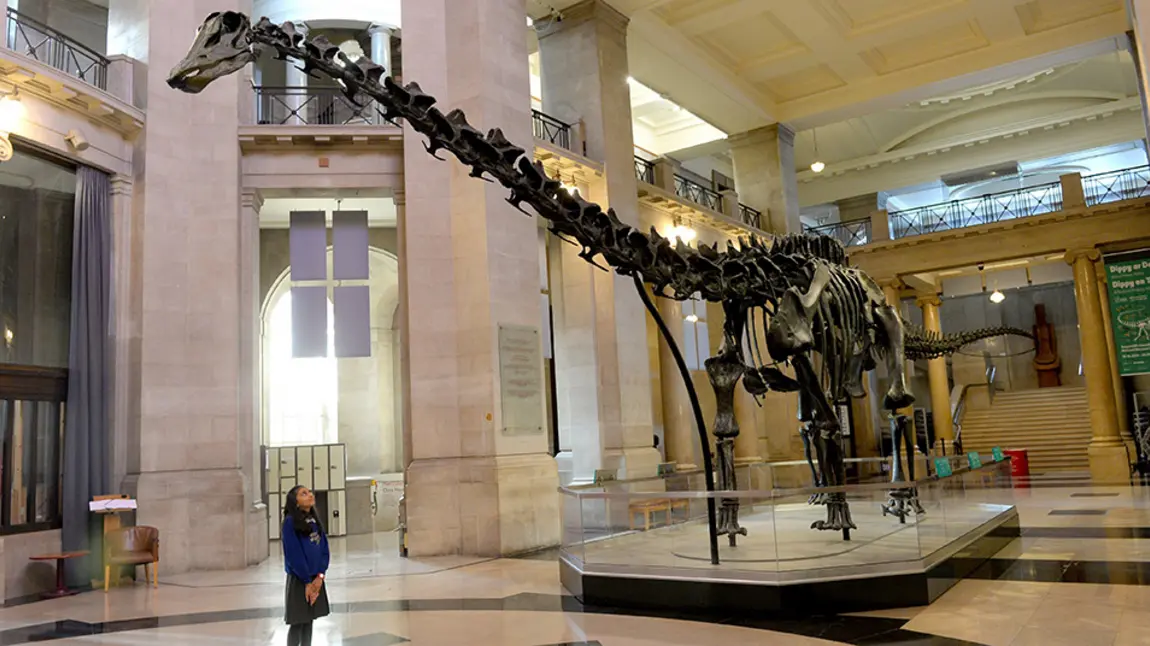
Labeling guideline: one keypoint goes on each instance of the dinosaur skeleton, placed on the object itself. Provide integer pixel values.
(1141, 326)
(827, 321)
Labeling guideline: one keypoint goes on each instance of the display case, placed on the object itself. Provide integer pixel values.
(646, 542)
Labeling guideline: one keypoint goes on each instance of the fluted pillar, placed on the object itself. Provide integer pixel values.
(936, 373)
(679, 434)
(1120, 403)
(1109, 461)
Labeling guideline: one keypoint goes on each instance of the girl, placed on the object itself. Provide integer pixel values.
(306, 557)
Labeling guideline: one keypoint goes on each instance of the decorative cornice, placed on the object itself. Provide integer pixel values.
(252, 198)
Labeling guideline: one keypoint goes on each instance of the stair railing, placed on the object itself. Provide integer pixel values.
(958, 403)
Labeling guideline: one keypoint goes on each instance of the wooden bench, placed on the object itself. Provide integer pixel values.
(651, 506)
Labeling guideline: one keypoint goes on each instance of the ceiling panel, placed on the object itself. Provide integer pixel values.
(1042, 15)
(936, 45)
(806, 82)
(855, 16)
(759, 37)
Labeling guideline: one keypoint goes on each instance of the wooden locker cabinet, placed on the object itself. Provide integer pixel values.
(322, 468)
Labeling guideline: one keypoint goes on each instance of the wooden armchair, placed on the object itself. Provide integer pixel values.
(132, 546)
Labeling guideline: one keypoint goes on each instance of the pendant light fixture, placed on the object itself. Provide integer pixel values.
(817, 165)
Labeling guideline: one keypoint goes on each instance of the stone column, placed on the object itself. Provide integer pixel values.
(936, 373)
(679, 432)
(1120, 401)
(250, 387)
(1072, 193)
(471, 267)
(1109, 461)
(297, 83)
(193, 479)
(879, 226)
(381, 46)
(859, 207)
(765, 175)
(126, 282)
(1139, 44)
(583, 63)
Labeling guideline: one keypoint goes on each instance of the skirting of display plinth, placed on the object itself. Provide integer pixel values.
(894, 585)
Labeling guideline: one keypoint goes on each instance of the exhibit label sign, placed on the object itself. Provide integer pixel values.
(1128, 284)
(997, 453)
(942, 467)
(974, 460)
(520, 380)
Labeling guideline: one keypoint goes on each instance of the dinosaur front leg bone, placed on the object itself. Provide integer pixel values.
(890, 328)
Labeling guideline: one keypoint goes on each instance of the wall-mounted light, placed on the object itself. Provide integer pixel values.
(691, 318)
(680, 232)
(77, 140)
(9, 335)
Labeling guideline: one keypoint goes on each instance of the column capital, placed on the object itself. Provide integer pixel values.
(928, 299)
(779, 132)
(121, 184)
(1090, 253)
(399, 195)
(380, 28)
(252, 198)
(891, 283)
(580, 13)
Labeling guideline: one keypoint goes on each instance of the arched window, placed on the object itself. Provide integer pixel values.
(303, 394)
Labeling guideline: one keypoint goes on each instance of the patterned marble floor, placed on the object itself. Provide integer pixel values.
(1079, 575)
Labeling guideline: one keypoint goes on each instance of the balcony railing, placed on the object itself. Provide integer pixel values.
(54, 48)
(551, 130)
(851, 233)
(645, 170)
(750, 217)
(312, 106)
(974, 211)
(1125, 184)
(698, 193)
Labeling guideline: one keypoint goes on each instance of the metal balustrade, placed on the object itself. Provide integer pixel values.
(750, 217)
(974, 211)
(850, 233)
(645, 170)
(1114, 186)
(551, 130)
(55, 48)
(698, 193)
(312, 106)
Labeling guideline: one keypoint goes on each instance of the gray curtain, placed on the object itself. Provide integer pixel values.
(87, 430)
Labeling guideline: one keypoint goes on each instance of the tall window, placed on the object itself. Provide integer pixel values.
(696, 340)
(37, 196)
(304, 393)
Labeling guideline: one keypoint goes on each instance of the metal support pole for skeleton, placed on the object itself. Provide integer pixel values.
(708, 469)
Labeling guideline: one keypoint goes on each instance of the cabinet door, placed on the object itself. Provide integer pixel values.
(303, 466)
(336, 519)
(273, 469)
(320, 469)
(275, 514)
(287, 468)
(338, 464)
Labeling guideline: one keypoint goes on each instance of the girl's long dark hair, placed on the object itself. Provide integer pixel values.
(298, 516)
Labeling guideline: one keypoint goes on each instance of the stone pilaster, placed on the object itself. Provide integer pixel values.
(765, 178)
(583, 63)
(1109, 461)
(471, 267)
(126, 283)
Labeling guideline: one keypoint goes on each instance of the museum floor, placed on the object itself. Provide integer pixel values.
(1080, 575)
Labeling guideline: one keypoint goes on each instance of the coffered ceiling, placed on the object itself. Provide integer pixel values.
(744, 63)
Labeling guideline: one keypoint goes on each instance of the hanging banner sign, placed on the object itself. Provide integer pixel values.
(1128, 284)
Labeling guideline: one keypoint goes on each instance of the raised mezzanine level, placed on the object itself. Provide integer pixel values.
(1101, 210)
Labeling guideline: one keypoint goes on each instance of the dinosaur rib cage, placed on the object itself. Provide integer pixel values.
(752, 273)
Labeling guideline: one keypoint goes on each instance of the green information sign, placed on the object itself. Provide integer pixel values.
(973, 460)
(997, 453)
(942, 467)
(1128, 283)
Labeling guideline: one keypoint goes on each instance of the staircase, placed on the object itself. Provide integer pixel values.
(1053, 424)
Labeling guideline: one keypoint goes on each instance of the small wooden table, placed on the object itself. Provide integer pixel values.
(61, 589)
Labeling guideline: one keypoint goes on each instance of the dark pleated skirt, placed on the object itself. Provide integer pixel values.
(296, 608)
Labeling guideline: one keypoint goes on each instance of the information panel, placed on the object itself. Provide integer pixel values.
(1128, 284)
(521, 380)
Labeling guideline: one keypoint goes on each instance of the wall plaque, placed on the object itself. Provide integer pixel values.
(520, 380)
(1128, 283)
